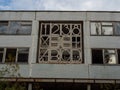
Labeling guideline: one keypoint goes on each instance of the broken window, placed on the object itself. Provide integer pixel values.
(23, 55)
(105, 28)
(1, 54)
(104, 56)
(15, 27)
(109, 56)
(97, 56)
(10, 55)
(60, 42)
(118, 52)
(14, 55)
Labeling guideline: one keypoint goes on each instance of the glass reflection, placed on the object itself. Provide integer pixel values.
(117, 28)
(95, 28)
(107, 30)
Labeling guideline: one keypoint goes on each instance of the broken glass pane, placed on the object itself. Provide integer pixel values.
(10, 55)
(95, 28)
(117, 28)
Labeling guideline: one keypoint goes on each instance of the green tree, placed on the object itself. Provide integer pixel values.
(10, 70)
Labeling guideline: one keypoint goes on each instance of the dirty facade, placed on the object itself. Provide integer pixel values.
(62, 49)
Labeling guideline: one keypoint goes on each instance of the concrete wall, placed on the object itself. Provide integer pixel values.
(86, 70)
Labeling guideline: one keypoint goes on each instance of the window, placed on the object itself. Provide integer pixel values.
(105, 56)
(15, 27)
(60, 42)
(14, 55)
(105, 28)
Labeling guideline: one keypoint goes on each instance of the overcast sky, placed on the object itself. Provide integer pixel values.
(101, 5)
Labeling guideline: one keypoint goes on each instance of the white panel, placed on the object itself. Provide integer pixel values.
(17, 15)
(61, 16)
(99, 16)
(104, 42)
(104, 72)
(15, 41)
(60, 70)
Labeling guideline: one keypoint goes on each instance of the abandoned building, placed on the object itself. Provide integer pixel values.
(62, 50)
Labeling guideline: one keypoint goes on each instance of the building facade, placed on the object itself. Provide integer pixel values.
(62, 49)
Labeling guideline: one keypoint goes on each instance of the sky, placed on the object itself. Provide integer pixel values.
(69, 5)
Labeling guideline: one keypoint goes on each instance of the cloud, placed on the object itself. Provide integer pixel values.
(112, 5)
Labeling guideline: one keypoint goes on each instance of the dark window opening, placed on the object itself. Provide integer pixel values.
(97, 57)
(118, 51)
(10, 55)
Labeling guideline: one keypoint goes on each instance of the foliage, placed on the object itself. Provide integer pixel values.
(110, 86)
(10, 70)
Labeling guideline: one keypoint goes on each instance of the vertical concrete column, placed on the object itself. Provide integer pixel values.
(30, 86)
(88, 87)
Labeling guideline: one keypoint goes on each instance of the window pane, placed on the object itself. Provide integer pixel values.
(95, 28)
(15, 27)
(118, 52)
(23, 54)
(109, 51)
(117, 28)
(107, 23)
(1, 57)
(10, 55)
(110, 59)
(3, 27)
(23, 50)
(23, 57)
(1, 54)
(97, 57)
(107, 30)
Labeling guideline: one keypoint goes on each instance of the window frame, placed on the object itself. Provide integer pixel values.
(20, 21)
(103, 54)
(16, 56)
(56, 23)
(101, 34)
